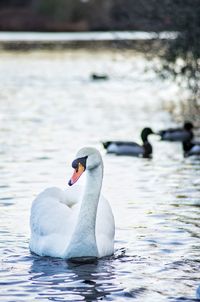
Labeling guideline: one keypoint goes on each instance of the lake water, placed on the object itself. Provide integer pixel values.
(49, 109)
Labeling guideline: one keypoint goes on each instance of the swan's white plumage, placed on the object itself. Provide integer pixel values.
(54, 218)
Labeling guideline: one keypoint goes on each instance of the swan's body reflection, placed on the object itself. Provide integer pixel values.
(85, 282)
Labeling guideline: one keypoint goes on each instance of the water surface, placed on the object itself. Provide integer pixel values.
(49, 109)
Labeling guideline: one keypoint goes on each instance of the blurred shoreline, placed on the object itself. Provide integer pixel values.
(135, 40)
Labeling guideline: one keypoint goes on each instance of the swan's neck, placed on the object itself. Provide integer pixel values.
(83, 241)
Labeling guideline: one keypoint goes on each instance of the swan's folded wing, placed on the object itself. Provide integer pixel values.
(48, 216)
(52, 209)
(105, 228)
(51, 223)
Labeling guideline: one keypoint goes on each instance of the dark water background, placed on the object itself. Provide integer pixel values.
(49, 109)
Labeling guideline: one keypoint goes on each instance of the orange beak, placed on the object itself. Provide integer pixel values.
(76, 175)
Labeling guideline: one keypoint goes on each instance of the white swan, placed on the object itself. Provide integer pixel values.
(69, 224)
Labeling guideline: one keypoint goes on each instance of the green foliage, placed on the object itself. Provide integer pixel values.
(46, 7)
(181, 58)
(62, 10)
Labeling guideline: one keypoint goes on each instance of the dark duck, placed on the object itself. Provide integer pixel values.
(131, 148)
(96, 77)
(191, 148)
(178, 134)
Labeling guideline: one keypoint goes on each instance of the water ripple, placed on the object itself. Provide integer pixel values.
(155, 202)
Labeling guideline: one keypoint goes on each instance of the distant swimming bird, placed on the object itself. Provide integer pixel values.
(131, 148)
(177, 134)
(95, 76)
(69, 224)
(191, 148)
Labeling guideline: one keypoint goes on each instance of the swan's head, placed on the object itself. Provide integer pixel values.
(86, 159)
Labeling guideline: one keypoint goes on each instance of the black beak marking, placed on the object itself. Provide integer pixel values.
(81, 160)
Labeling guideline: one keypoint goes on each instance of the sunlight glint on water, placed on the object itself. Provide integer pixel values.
(49, 109)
